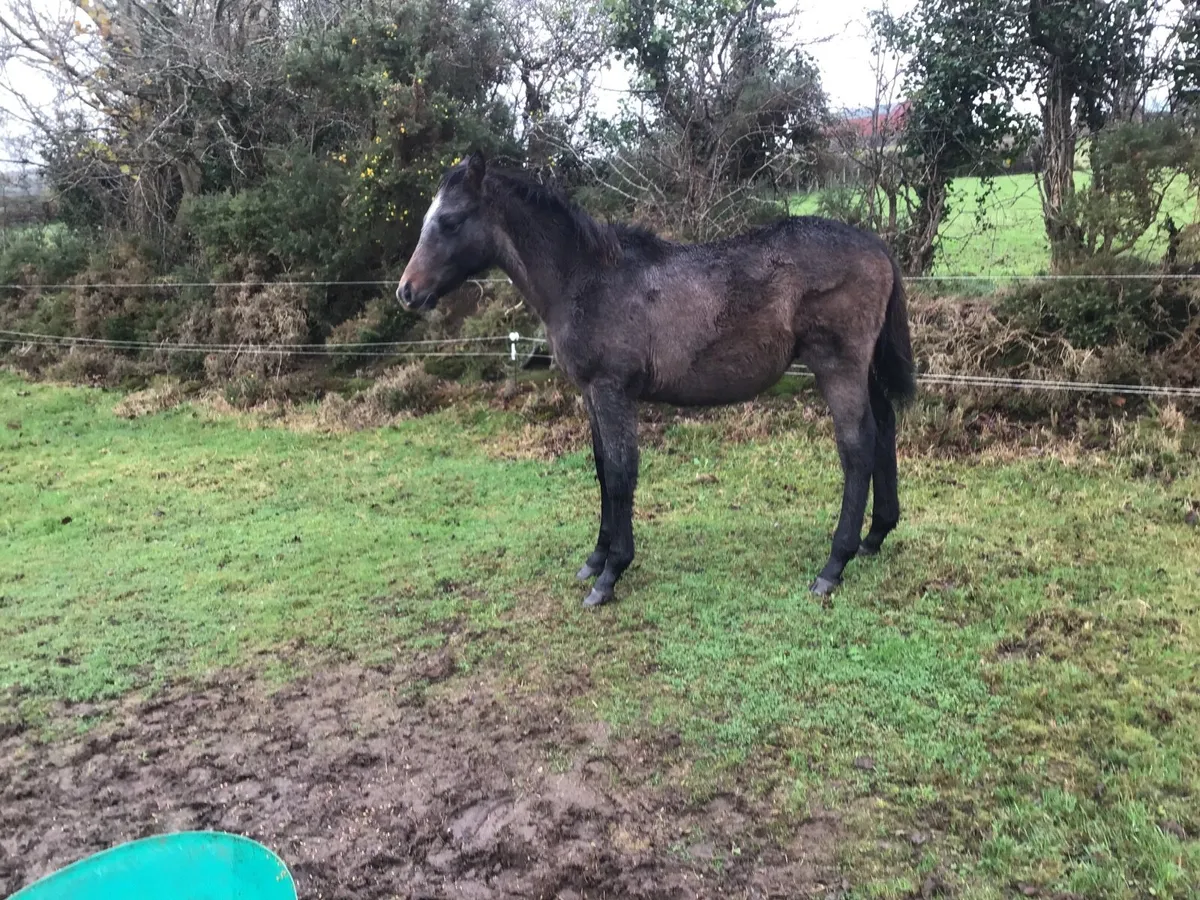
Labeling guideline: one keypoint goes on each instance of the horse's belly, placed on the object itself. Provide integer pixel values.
(706, 384)
(692, 364)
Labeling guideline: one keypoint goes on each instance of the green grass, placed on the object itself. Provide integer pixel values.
(1020, 665)
(1005, 234)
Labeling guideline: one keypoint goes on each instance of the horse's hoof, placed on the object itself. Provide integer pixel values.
(868, 549)
(587, 573)
(596, 598)
(822, 587)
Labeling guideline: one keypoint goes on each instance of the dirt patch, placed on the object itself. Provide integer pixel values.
(369, 789)
(1058, 634)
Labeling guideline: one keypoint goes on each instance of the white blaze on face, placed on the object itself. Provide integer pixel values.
(431, 212)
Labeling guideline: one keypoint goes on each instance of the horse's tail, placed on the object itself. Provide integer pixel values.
(893, 362)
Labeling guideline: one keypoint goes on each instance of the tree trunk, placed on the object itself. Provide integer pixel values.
(538, 149)
(918, 244)
(1057, 175)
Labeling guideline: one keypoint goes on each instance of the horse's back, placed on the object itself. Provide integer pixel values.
(723, 320)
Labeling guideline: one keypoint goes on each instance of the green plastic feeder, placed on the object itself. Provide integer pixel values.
(190, 865)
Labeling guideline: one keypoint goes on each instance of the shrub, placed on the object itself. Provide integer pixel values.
(44, 254)
(971, 336)
(404, 389)
(487, 311)
(293, 219)
(251, 315)
(38, 311)
(1146, 313)
(105, 303)
(81, 365)
(154, 399)
(246, 391)
(842, 203)
(383, 320)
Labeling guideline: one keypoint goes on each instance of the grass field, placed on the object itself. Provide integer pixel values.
(1015, 678)
(1006, 235)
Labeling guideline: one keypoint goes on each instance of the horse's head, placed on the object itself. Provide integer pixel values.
(456, 240)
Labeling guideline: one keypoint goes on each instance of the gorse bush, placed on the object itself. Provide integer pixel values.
(1147, 313)
(35, 256)
(294, 221)
(407, 388)
(44, 254)
(383, 320)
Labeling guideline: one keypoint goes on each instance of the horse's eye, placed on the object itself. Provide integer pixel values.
(449, 226)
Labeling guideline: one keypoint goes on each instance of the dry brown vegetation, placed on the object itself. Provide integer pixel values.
(155, 399)
(548, 420)
(961, 335)
(952, 335)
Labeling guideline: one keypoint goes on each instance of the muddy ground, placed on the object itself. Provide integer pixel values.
(373, 783)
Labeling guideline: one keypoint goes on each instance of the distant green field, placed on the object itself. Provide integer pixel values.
(1006, 235)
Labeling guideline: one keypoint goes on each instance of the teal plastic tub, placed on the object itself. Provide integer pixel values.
(191, 865)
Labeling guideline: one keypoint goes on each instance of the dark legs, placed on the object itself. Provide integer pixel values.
(845, 390)
(614, 441)
(887, 498)
(864, 421)
(595, 563)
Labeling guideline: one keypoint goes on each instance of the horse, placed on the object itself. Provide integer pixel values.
(631, 317)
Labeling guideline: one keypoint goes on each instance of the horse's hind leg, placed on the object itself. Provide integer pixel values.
(616, 417)
(845, 389)
(595, 563)
(887, 498)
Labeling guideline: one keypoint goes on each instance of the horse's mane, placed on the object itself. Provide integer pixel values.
(637, 237)
(594, 237)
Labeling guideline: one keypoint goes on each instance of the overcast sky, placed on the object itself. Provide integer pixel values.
(845, 58)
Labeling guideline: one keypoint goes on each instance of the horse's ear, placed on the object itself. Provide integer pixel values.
(476, 168)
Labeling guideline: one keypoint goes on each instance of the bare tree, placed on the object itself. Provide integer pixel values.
(865, 149)
(729, 104)
(558, 49)
(149, 96)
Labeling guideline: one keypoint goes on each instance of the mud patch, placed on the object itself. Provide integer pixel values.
(369, 789)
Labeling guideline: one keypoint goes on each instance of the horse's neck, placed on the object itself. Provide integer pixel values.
(536, 261)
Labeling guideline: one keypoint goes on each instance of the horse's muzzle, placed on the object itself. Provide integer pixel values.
(413, 299)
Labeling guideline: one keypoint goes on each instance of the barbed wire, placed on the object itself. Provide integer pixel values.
(154, 285)
(120, 344)
(161, 285)
(258, 350)
(429, 348)
(1037, 384)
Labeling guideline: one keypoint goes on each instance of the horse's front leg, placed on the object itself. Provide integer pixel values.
(595, 563)
(614, 418)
